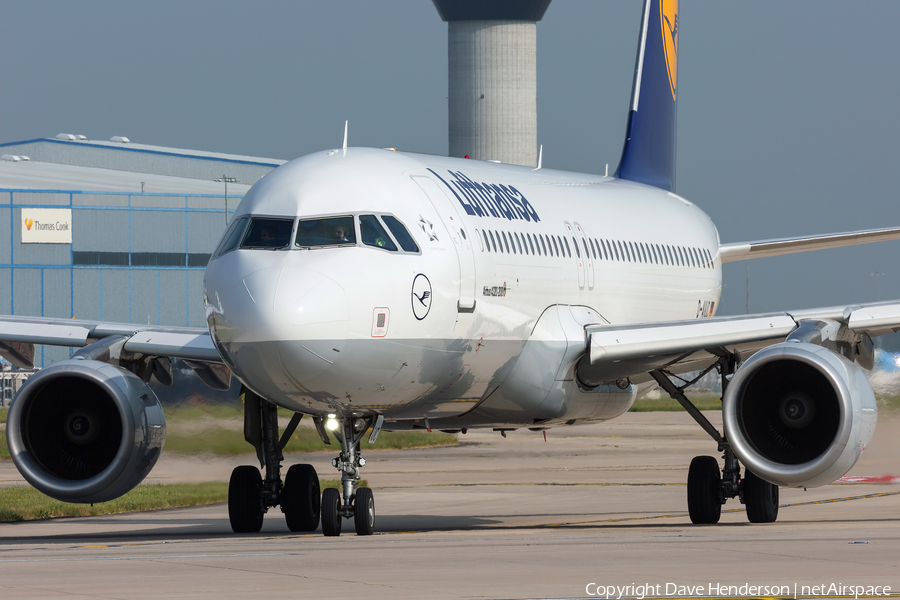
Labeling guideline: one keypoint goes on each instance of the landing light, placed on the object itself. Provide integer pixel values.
(331, 424)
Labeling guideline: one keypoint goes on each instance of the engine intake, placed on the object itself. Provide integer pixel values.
(799, 415)
(85, 431)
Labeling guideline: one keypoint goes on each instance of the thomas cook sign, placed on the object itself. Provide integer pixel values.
(46, 226)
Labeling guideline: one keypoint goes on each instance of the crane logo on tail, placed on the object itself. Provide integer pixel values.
(668, 17)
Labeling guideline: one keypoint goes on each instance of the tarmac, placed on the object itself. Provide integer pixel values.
(516, 517)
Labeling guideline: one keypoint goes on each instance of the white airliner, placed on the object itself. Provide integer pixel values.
(378, 290)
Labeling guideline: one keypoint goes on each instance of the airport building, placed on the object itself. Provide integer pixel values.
(112, 230)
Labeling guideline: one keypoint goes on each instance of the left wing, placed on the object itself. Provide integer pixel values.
(777, 247)
(634, 351)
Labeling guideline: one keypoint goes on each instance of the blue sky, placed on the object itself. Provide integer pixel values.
(787, 116)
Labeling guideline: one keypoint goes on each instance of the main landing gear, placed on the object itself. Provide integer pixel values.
(358, 503)
(250, 496)
(707, 487)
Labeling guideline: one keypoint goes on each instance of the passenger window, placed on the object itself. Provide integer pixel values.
(555, 247)
(531, 244)
(233, 237)
(268, 233)
(400, 233)
(486, 242)
(505, 243)
(568, 249)
(373, 234)
(493, 241)
(518, 242)
(543, 245)
(332, 231)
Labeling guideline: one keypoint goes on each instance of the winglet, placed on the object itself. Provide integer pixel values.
(540, 157)
(649, 152)
(345, 134)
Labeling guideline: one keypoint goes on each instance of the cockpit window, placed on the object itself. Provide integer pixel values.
(373, 234)
(400, 233)
(233, 237)
(331, 231)
(268, 233)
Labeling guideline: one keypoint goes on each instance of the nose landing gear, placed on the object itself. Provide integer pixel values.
(358, 503)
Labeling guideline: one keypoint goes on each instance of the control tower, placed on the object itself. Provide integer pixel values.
(492, 50)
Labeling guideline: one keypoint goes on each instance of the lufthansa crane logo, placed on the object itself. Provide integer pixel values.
(421, 296)
(668, 20)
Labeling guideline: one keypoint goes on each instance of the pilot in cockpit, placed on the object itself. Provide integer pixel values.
(340, 235)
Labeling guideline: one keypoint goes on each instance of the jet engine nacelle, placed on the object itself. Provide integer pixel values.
(85, 431)
(799, 415)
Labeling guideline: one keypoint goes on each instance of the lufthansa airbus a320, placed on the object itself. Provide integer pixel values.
(376, 290)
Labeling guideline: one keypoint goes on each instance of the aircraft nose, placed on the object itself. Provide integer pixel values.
(313, 315)
(289, 323)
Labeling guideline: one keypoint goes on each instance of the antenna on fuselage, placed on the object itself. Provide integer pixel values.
(345, 134)
(540, 157)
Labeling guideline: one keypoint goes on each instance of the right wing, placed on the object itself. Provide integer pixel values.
(633, 351)
(192, 343)
(129, 342)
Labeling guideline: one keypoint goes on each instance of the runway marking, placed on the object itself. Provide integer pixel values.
(730, 510)
(869, 479)
(161, 557)
(524, 483)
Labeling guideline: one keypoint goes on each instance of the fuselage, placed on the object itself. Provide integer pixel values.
(320, 320)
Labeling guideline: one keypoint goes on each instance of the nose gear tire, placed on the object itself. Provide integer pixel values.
(364, 511)
(331, 515)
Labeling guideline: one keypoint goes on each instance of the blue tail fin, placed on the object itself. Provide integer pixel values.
(649, 152)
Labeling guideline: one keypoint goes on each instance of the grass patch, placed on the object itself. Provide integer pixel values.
(3, 412)
(26, 503)
(228, 442)
(4, 451)
(890, 404)
(667, 404)
(178, 414)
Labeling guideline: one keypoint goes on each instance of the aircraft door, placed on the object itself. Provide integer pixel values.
(577, 253)
(461, 240)
(588, 258)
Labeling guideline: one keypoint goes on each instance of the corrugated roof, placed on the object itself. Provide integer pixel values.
(35, 175)
(133, 147)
